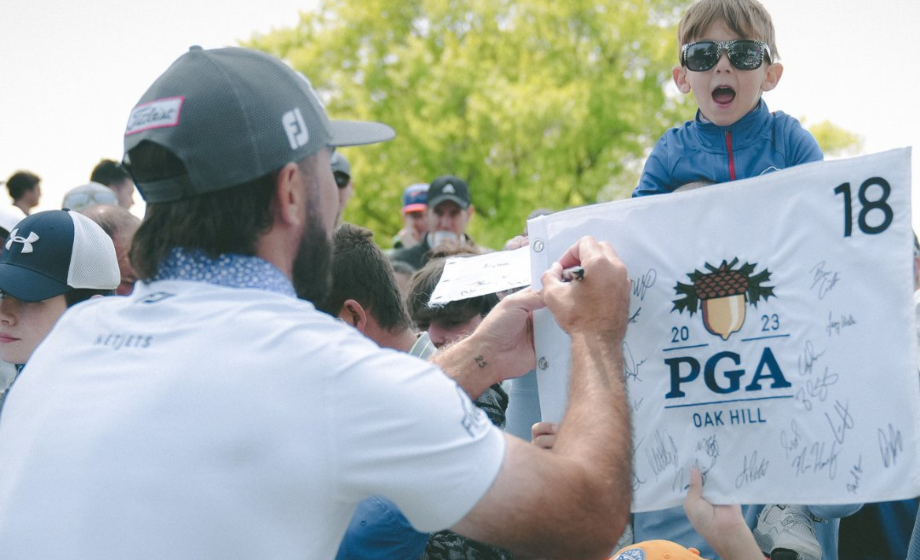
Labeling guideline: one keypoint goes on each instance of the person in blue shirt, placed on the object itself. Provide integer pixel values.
(913, 553)
(728, 59)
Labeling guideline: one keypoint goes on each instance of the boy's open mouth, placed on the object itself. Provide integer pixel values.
(723, 95)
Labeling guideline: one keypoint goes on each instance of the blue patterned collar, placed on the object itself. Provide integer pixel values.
(228, 270)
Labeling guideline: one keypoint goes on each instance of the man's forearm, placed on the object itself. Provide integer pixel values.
(500, 348)
(597, 391)
(572, 501)
(579, 491)
(596, 429)
(470, 366)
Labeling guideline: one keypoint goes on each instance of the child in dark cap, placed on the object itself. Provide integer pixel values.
(51, 261)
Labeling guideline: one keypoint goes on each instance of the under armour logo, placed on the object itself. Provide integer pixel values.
(26, 241)
(295, 127)
(450, 189)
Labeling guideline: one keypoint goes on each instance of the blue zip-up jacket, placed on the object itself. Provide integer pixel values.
(758, 143)
(913, 553)
(701, 151)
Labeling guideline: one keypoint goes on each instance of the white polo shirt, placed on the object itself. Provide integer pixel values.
(196, 421)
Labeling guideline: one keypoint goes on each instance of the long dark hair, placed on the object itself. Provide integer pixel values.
(225, 221)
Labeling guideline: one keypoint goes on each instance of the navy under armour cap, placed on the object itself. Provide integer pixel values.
(50, 253)
(232, 115)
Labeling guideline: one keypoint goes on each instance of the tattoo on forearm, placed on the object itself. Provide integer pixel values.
(481, 362)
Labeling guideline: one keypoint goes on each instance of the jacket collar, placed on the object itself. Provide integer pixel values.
(745, 131)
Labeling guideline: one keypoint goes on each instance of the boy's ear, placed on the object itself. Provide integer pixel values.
(772, 76)
(680, 79)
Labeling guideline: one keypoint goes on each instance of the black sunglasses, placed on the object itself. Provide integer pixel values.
(743, 54)
(341, 179)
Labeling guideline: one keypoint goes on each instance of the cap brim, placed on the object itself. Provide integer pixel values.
(359, 133)
(28, 285)
(417, 207)
(460, 202)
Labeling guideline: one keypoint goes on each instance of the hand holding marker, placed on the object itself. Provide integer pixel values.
(573, 273)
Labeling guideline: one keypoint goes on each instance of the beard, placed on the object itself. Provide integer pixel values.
(313, 263)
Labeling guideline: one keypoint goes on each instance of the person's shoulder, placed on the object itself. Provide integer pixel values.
(674, 146)
(411, 255)
(476, 247)
(787, 125)
(799, 145)
(379, 530)
(782, 116)
(678, 142)
(96, 306)
(678, 133)
(152, 301)
(785, 120)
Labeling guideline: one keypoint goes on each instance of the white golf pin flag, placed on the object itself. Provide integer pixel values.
(771, 338)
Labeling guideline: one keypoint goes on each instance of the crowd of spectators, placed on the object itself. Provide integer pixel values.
(241, 374)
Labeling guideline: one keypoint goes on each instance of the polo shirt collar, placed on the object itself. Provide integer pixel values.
(228, 270)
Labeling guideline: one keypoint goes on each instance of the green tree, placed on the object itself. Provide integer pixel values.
(835, 141)
(537, 103)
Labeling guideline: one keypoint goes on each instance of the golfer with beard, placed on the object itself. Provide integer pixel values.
(213, 414)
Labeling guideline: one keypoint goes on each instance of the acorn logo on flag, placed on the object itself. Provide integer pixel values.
(722, 294)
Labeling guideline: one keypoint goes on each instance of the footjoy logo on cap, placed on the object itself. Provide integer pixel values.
(296, 129)
(26, 241)
(156, 114)
(450, 189)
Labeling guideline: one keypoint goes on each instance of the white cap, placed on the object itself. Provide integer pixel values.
(82, 197)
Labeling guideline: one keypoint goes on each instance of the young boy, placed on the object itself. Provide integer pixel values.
(51, 261)
(728, 59)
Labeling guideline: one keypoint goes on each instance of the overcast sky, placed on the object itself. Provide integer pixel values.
(72, 71)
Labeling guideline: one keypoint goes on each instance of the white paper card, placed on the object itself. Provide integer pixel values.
(473, 276)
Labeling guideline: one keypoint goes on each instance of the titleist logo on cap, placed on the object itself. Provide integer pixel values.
(156, 114)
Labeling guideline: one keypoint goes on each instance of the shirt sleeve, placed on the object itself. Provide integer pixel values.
(402, 429)
(656, 176)
(802, 146)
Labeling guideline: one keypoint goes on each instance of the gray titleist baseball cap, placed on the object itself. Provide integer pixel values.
(232, 115)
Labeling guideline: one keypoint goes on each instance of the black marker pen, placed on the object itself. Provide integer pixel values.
(573, 273)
